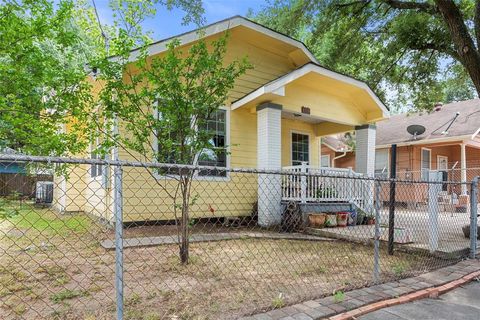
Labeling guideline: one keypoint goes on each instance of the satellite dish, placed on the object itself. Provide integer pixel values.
(415, 130)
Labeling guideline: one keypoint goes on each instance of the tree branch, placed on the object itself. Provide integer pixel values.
(462, 39)
(420, 6)
(476, 22)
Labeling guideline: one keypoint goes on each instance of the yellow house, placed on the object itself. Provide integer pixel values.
(273, 119)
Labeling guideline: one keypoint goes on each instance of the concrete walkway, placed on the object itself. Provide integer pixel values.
(461, 303)
(208, 237)
(451, 241)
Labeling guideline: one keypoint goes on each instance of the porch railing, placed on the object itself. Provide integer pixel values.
(326, 185)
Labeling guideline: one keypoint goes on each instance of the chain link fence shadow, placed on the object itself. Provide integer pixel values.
(158, 241)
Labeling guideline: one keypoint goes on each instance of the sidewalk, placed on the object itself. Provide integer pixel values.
(461, 303)
(360, 301)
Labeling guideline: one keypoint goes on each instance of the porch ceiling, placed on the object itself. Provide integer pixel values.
(331, 97)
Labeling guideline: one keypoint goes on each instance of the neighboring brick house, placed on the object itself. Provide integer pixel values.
(450, 144)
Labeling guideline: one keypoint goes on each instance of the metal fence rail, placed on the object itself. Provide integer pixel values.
(140, 240)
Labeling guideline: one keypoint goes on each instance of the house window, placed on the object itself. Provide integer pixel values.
(381, 163)
(300, 152)
(425, 163)
(325, 160)
(216, 155)
(95, 169)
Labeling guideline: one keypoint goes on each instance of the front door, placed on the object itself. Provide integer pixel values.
(442, 165)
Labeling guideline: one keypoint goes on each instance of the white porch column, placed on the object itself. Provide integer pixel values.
(365, 149)
(269, 152)
(463, 168)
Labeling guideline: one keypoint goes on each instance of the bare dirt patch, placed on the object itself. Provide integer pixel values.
(59, 271)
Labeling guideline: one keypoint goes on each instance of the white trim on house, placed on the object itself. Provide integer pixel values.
(475, 134)
(329, 161)
(218, 27)
(292, 131)
(274, 85)
(196, 176)
(438, 161)
(329, 146)
(387, 166)
(425, 141)
(421, 161)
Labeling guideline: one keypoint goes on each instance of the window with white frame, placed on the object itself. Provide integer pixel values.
(325, 160)
(381, 163)
(96, 170)
(214, 156)
(300, 148)
(426, 163)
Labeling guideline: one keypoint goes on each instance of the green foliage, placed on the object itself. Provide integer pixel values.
(406, 56)
(66, 294)
(399, 268)
(185, 89)
(42, 76)
(339, 296)
(7, 210)
(278, 302)
(25, 216)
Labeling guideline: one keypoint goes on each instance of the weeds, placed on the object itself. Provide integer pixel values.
(339, 296)
(399, 268)
(66, 295)
(278, 301)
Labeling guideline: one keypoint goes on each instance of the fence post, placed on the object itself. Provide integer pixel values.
(473, 217)
(391, 212)
(434, 188)
(303, 183)
(376, 256)
(118, 212)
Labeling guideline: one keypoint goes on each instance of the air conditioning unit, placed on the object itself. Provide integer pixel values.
(44, 192)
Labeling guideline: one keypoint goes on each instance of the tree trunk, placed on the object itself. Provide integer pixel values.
(462, 40)
(184, 246)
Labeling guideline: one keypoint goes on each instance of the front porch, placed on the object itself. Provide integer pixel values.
(310, 184)
(291, 144)
(293, 112)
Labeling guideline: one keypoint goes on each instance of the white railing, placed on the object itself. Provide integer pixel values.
(326, 185)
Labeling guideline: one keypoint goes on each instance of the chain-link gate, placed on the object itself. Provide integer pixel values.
(159, 241)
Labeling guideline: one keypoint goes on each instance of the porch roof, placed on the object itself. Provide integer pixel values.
(330, 96)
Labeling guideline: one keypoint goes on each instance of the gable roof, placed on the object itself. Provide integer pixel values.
(466, 125)
(222, 26)
(311, 67)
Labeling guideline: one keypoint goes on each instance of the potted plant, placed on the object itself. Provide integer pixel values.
(342, 219)
(370, 219)
(331, 219)
(361, 217)
(317, 219)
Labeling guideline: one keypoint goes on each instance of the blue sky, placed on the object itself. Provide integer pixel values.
(169, 23)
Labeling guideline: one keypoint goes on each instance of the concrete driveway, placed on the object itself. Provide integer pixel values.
(461, 303)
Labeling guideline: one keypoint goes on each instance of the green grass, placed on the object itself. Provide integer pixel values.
(43, 220)
(66, 295)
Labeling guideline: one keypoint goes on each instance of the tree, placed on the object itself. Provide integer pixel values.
(400, 48)
(43, 77)
(168, 100)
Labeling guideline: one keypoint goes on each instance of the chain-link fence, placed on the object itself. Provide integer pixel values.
(153, 241)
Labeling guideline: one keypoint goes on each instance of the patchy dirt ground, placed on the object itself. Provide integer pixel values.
(52, 267)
